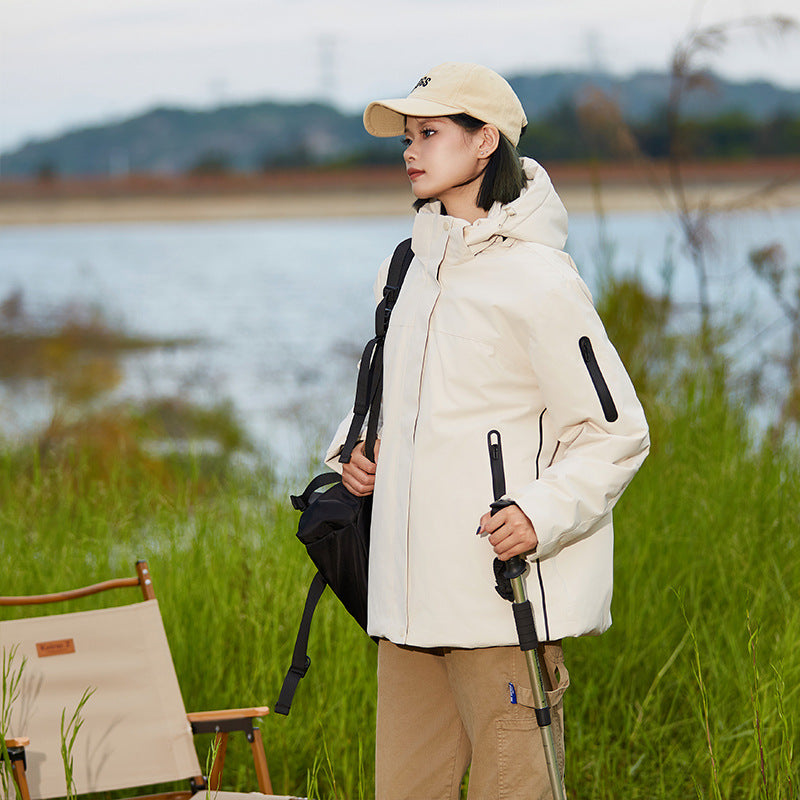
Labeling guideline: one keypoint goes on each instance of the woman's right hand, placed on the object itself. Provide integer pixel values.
(358, 475)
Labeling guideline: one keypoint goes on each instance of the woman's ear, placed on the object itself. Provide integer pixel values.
(488, 139)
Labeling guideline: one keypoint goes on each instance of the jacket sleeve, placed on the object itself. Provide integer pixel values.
(339, 438)
(602, 432)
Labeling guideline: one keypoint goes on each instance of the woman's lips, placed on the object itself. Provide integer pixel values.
(415, 173)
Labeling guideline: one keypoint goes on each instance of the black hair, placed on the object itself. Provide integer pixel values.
(503, 179)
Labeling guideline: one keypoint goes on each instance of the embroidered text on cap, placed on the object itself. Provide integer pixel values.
(422, 82)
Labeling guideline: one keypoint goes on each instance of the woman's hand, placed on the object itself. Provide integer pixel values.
(510, 532)
(358, 475)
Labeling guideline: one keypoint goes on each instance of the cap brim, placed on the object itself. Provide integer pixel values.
(388, 117)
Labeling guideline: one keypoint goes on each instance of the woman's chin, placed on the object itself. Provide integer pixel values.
(420, 194)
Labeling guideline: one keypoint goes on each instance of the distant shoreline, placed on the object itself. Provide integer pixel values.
(378, 191)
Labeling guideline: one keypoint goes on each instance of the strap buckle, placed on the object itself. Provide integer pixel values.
(301, 671)
(390, 294)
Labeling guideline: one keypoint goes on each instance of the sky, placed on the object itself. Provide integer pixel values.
(73, 63)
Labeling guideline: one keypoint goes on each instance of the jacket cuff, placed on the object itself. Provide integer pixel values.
(337, 443)
(569, 501)
(548, 532)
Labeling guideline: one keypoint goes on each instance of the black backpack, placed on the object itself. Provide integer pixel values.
(334, 524)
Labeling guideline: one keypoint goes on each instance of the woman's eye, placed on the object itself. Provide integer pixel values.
(425, 133)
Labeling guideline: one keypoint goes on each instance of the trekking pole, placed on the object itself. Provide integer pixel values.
(513, 571)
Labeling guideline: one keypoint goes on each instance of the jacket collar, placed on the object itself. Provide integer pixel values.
(537, 215)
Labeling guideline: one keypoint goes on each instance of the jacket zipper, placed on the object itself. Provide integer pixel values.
(600, 385)
(413, 440)
(538, 563)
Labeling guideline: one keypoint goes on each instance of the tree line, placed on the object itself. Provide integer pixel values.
(573, 132)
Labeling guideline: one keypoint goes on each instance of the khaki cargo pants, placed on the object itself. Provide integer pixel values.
(440, 710)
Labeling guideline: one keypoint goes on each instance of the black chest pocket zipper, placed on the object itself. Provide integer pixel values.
(600, 385)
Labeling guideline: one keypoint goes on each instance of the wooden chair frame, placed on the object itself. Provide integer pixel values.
(221, 723)
(16, 753)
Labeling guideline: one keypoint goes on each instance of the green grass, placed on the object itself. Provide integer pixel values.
(706, 552)
(231, 581)
(692, 693)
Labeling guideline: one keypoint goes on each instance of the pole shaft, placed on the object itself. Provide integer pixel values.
(540, 701)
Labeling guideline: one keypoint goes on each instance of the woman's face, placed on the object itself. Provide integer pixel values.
(442, 157)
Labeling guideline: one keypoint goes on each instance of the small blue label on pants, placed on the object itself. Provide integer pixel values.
(513, 692)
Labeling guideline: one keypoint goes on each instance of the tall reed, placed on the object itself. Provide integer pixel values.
(70, 728)
(12, 670)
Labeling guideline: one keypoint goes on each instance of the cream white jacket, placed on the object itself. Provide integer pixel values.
(494, 329)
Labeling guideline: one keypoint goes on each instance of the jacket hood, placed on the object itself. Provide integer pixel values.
(537, 216)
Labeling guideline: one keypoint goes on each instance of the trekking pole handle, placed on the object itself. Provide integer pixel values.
(515, 566)
(514, 570)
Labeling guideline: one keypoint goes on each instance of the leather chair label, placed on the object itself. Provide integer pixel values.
(60, 647)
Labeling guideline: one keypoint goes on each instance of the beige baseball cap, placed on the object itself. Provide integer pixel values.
(452, 88)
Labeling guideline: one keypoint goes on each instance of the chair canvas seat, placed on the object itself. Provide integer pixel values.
(135, 731)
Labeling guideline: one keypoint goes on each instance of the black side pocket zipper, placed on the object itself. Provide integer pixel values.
(600, 385)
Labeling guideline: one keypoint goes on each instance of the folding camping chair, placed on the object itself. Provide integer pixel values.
(135, 730)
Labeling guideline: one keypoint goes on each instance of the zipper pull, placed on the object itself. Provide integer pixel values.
(586, 349)
(496, 464)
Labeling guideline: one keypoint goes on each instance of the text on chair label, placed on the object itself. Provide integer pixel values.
(59, 647)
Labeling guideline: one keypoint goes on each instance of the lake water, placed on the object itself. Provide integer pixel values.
(282, 308)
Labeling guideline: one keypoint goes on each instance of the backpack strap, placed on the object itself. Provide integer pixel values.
(302, 501)
(398, 267)
(300, 660)
(363, 401)
(369, 386)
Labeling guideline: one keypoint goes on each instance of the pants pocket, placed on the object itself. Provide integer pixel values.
(555, 671)
(521, 768)
(554, 674)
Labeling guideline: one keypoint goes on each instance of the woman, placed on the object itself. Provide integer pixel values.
(493, 329)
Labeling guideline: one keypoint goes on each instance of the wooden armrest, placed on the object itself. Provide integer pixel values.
(22, 741)
(72, 594)
(221, 723)
(231, 713)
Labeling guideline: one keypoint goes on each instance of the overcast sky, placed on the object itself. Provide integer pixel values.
(67, 63)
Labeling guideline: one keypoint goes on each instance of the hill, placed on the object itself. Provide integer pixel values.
(644, 94)
(257, 136)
